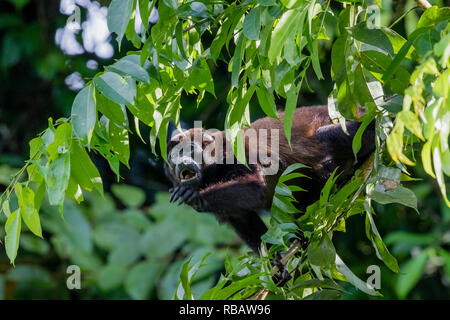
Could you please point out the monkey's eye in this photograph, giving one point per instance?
(187, 174)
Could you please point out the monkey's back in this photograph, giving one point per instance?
(317, 143)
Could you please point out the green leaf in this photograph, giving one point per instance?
(397, 41)
(110, 234)
(360, 88)
(400, 195)
(252, 24)
(187, 275)
(12, 229)
(391, 69)
(62, 141)
(291, 106)
(322, 254)
(426, 158)
(119, 13)
(34, 244)
(267, 101)
(142, 108)
(179, 38)
(116, 88)
(110, 109)
(267, 3)
(174, 231)
(411, 273)
(57, 179)
(200, 78)
(293, 167)
(315, 59)
(144, 11)
(350, 276)
(316, 283)
(395, 144)
(120, 143)
(130, 66)
(377, 63)
(83, 170)
(84, 114)
(137, 218)
(411, 122)
(74, 191)
(235, 287)
(129, 195)
(290, 4)
(142, 278)
(5, 208)
(35, 146)
(374, 37)
(132, 36)
(366, 120)
(289, 21)
(432, 16)
(237, 111)
(111, 276)
(437, 162)
(324, 294)
(326, 190)
(381, 249)
(28, 212)
(225, 30)
(125, 254)
(237, 60)
(290, 176)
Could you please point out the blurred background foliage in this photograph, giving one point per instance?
(133, 243)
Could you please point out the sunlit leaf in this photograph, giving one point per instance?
(84, 114)
(115, 88)
(119, 12)
(12, 228)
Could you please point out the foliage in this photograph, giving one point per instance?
(270, 48)
(119, 251)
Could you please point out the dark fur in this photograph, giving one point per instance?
(235, 193)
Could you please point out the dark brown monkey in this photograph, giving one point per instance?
(235, 192)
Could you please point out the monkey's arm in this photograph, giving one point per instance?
(243, 194)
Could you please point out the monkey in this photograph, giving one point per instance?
(234, 192)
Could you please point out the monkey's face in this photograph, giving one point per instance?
(186, 156)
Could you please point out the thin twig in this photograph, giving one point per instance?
(402, 16)
(200, 22)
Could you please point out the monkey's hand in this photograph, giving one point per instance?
(189, 195)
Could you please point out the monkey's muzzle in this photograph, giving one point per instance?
(187, 170)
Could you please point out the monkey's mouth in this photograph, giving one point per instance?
(188, 171)
(187, 174)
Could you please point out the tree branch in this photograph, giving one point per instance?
(295, 246)
(423, 4)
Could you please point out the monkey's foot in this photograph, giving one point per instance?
(282, 276)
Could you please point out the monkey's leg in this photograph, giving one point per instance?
(249, 227)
